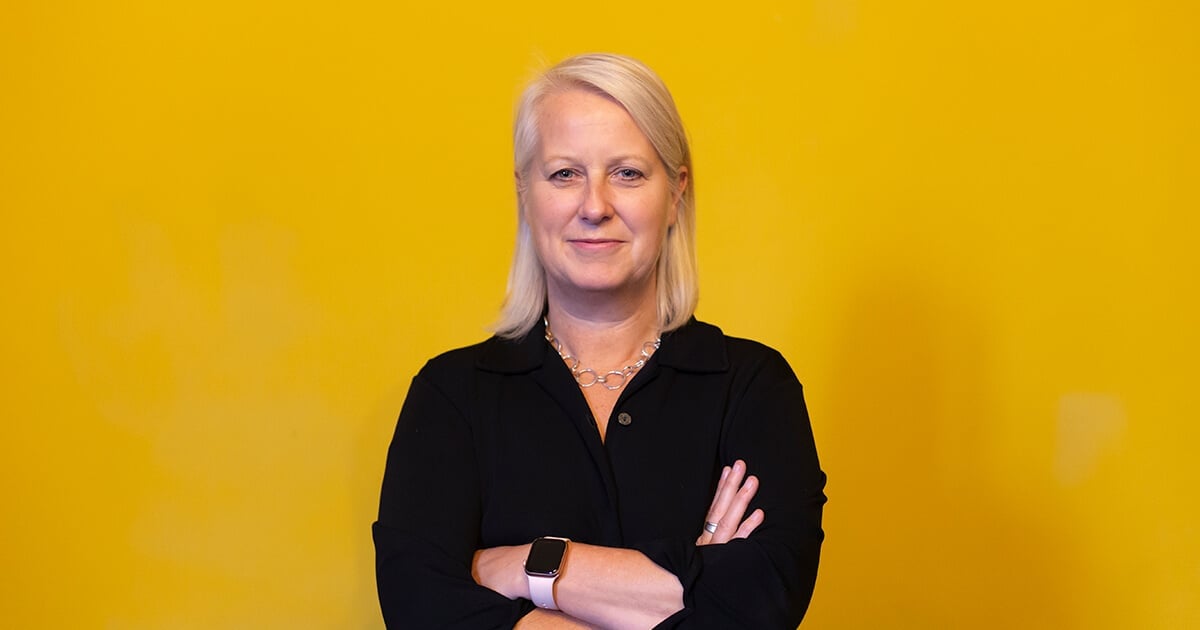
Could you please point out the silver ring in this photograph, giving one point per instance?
(710, 527)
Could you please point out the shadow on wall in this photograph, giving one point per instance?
(921, 530)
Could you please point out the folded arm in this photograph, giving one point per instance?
(619, 588)
(767, 579)
(423, 569)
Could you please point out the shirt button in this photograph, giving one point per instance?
(624, 419)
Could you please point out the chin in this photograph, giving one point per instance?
(590, 284)
(597, 287)
(614, 282)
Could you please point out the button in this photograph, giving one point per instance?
(624, 419)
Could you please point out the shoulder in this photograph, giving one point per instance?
(700, 346)
(750, 349)
(494, 354)
(453, 361)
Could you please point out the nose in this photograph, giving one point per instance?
(596, 207)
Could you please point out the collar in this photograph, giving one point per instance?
(693, 347)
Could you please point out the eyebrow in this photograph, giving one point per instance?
(612, 162)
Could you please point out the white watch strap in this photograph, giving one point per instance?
(541, 591)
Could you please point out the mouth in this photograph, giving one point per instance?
(594, 244)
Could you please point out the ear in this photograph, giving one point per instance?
(677, 195)
(520, 183)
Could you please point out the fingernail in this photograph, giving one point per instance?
(724, 473)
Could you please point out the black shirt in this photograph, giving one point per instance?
(496, 445)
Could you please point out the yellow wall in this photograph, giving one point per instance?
(233, 231)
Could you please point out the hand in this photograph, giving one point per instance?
(729, 506)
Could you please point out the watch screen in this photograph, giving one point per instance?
(545, 556)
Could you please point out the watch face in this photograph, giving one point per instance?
(545, 556)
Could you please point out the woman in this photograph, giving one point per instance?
(572, 459)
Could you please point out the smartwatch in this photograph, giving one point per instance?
(542, 567)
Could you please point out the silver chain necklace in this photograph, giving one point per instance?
(586, 377)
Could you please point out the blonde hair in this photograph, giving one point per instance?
(635, 87)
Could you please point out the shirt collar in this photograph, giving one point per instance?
(693, 347)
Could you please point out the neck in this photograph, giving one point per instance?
(606, 340)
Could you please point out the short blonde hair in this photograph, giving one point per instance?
(635, 87)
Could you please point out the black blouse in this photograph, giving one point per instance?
(496, 445)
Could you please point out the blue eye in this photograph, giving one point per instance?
(562, 174)
(629, 173)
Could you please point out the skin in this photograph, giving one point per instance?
(603, 587)
(599, 203)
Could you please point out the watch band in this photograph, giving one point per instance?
(542, 567)
(541, 591)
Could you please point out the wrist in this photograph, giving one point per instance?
(543, 567)
(500, 569)
(520, 581)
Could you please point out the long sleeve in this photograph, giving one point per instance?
(429, 520)
(494, 446)
(767, 580)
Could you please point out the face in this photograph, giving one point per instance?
(597, 199)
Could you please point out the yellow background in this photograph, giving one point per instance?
(232, 232)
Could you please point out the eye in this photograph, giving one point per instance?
(562, 174)
(629, 174)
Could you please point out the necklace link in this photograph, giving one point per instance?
(587, 377)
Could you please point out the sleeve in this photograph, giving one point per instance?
(767, 579)
(429, 521)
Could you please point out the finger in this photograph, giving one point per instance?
(750, 524)
(705, 535)
(726, 491)
(734, 513)
(716, 494)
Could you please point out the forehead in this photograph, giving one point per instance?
(581, 116)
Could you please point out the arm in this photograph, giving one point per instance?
(539, 619)
(618, 588)
(423, 563)
(602, 586)
(767, 579)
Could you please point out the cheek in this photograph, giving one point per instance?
(543, 222)
(543, 207)
(534, 214)
(666, 213)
